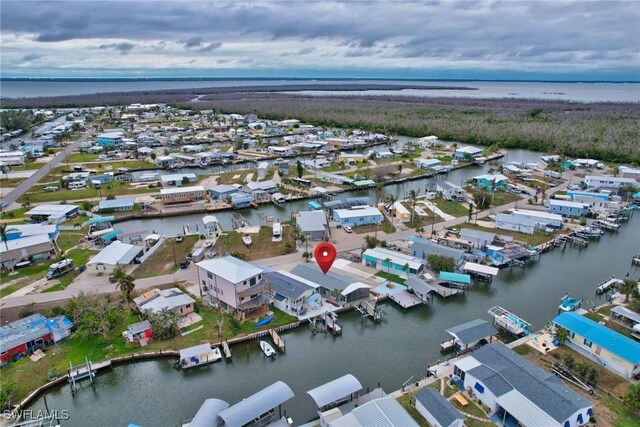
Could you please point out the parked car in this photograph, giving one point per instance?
(179, 239)
(50, 189)
(185, 263)
(348, 229)
(573, 187)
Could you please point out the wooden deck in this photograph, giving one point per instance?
(406, 299)
(445, 292)
(279, 342)
(226, 350)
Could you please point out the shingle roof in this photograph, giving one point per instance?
(230, 268)
(286, 285)
(136, 328)
(472, 331)
(329, 281)
(439, 407)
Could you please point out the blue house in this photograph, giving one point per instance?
(464, 152)
(490, 181)
(399, 263)
(565, 208)
(588, 194)
(221, 191)
(241, 200)
(113, 139)
(124, 204)
(358, 216)
(19, 231)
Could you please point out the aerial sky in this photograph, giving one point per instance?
(545, 40)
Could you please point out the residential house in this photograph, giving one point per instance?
(491, 181)
(268, 187)
(117, 254)
(117, 205)
(289, 292)
(192, 194)
(587, 163)
(233, 284)
(352, 158)
(262, 170)
(466, 152)
(24, 336)
(178, 179)
(422, 248)
(604, 182)
(12, 158)
(140, 331)
(173, 299)
(565, 208)
(607, 347)
(358, 216)
(428, 163)
(344, 289)
(542, 219)
(165, 161)
(428, 141)
(110, 139)
(401, 212)
(312, 224)
(384, 411)
(450, 191)
(437, 410)
(627, 172)
(221, 191)
(20, 231)
(54, 214)
(14, 251)
(519, 392)
(515, 223)
(399, 263)
(280, 151)
(478, 238)
(241, 200)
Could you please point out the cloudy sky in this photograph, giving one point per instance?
(583, 40)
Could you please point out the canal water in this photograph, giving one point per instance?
(152, 393)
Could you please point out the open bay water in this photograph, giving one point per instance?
(578, 91)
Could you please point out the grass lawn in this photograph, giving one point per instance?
(502, 198)
(116, 188)
(471, 408)
(392, 277)
(81, 158)
(451, 208)
(262, 245)
(227, 177)
(405, 401)
(332, 168)
(387, 226)
(16, 213)
(28, 166)
(535, 239)
(69, 239)
(598, 317)
(449, 390)
(10, 182)
(162, 260)
(31, 273)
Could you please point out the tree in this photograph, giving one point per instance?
(470, 211)
(164, 323)
(627, 190)
(561, 334)
(482, 199)
(371, 241)
(632, 397)
(3, 238)
(307, 256)
(124, 282)
(627, 287)
(379, 192)
(412, 200)
(110, 196)
(388, 262)
(440, 263)
(86, 205)
(299, 169)
(185, 180)
(153, 156)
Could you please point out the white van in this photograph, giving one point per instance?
(76, 185)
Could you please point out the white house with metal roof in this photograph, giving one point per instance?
(399, 263)
(463, 152)
(542, 219)
(52, 213)
(289, 292)
(382, 412)
(312, 224)
(123, 204)
(358, 216)
(114, 255)
(156, 300)
(15, 251)
(232, 284)
(182, 194)
(515, 223)
(345, 289)
(520, 392)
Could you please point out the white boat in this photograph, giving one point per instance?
(208, 243)
(202, 354)
(247, 240)
(267, 349)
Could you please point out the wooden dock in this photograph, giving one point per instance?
(279, 342)
(331, 320)
(445, 292)
(447, 345)
(226, 350)
(405, 299)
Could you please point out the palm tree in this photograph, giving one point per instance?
(412, 199)
(561, 334)
(379, 192)
(3, 237)
(627, 287)
(124, 282)
(388, 261)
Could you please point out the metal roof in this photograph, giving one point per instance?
(335, 390)
(100, 219)
(480, 268)
(521, 408)
(223, 188)
(439, 407)
(613, 341)
(455, 277)
(169, 298)
(359, 212)
(470, 234)
(136, 328)
(230, 268)
(200, 350)
(178, 190)
(287, 286)
(310, 221)
(207, 415)
(25, 242)
(383, 412)
(52, 210)
(329, 281)
(261, 185)
(625, 312)
(257, 404)
(472, 331)
(427, 247)
(116, 253)
(397, 258)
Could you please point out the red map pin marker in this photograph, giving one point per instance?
(325, 254)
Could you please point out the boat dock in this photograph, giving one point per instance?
(509, 322)
(279, 342)
(635, 260)
(226, 350)
(331, 320)
(406, 299)
(445, 292)
(84, 371)
(446, 346)
(368, 310)
(607, 225)
(609, 284)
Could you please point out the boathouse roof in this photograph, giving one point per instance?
(472, 331)
(626, 313)
(383, 412)
(257, 404)
(439, 407)
(335, 390)
(207, 415)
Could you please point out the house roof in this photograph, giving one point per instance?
(354, 287)
(261, 185)
(30, 328)
(626, 313)
(419, 285)
(568, 204)
(169, 298)
(178, 177)
(286, 285)
(257, 404)
(468, 149)
(382, 412)
(335, 390)
(230, 268)
(310, 221)
(472, 331)
(116, 203)
(449, 186)
(395, 257)
(480, 268)
(470, 234)
(32, 229)
(354, 213)
(429, 248)
(178, 190)
(503, 370)
(116, 253)
(223, 188)
(516, 404)
(613, 341)
(454, 277)
(207, 415)
(515, 219)
(537, 214)
(136, 328)
(439, 407)
(330, 281)
(25, 242)
(51, 210)
(498, 177)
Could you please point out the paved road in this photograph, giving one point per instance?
(25, 185)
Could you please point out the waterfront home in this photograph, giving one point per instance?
(466, 152)
(608, 348)
(420, 288)
(165, 161)
(450, 191)
(192, 194)
(15, 251)
(352, 158)
(241, 200)
(141, 331)
(550, 159)
(54, 214)
(280, 151)
(232, 284)
(24, 336)
(173, 299)
(344, 289)
(178, 179)
(428, 141)
(478, 238)
(428, 163)
(317, 163)
(117, 254)
(392, 261)
(515, 223)
(598, 202)
(192, 148)
(110, 139)
(437, 410)
(565, 208)
(400, 211)
(12, 158)
(605, 182)
(259, 406)
(335, 178)
(312, 224)
(422, 248)
(519, 392)
(542, 219)
(268, 187)
(358, 216)
(291, 293)
(20, 231)
(491, 181)
(472, 334)
(117, 205)
(587, 163)
(627, 172)
(221, 191)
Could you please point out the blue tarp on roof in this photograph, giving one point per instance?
(455, 277)
(600, 335)
(99, 219)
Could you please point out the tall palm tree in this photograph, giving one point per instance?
(412, 199)
(388, 261)
(3, 238)
(124, 282)
(627, 287)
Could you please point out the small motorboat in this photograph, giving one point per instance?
(208, 243)
(247, 240)
(267, 349)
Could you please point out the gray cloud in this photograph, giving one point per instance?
(33, 56)
(123, 48)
